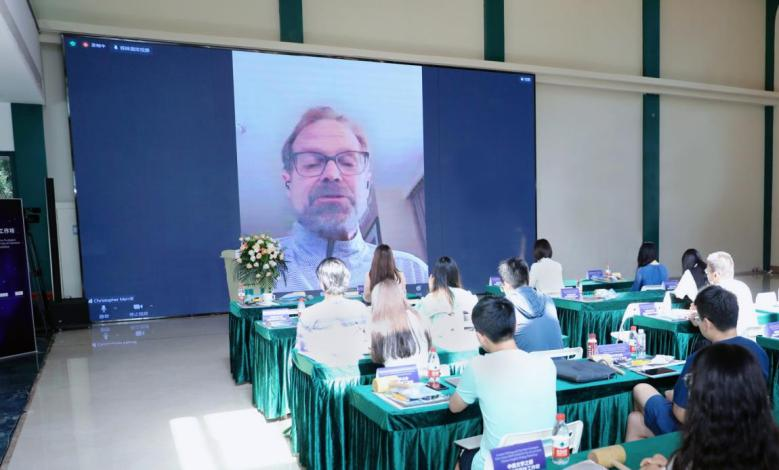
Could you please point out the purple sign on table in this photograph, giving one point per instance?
(570, 293)
(618, 350)
(406, 373)
(647, 309)
(495, 280)
(671, 284)
(524, 456)
(772, 330)
(595, 274)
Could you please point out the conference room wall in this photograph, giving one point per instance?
(589, 177)
(713, 41)
(6, 130)
(711, 180)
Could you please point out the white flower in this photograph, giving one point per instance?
(273, 256)
(253, 258)
(281, 255)
(248, 265)
(267, 274)
(258, 275)
(265, 266)
(251, 252)
(273, 263)
(256, 265)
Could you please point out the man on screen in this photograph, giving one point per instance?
(328, 179)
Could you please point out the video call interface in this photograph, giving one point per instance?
(179, 150)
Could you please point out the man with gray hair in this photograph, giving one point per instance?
(720, 271)
(538, 328)
(333, 331)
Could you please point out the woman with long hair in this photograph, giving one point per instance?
(729, 422)
(448, 307)
(649, 272)
(383, 267)
(693, 262)
(398, 334)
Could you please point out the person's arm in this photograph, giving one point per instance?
(637, 281)
(679, 413)
(366, 292)
(456, 403)
(466, 391)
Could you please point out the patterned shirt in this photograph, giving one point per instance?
(304, 250)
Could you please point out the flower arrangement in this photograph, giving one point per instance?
(260, 262)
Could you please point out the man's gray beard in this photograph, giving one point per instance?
(330, 222)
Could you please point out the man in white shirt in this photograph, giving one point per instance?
(499, 380)
(334, 331)
(720, 271)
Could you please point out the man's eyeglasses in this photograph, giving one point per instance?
(314, 163)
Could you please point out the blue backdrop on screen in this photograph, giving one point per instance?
(153, 137)
(17, 330)
(480, 168)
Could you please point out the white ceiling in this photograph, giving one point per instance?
(20, 55)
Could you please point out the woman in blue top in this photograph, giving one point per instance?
(650, 272)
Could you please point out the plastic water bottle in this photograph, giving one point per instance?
(592, 345)
(632, 341)
(433, 368)
(241, 294)
(580, 288)
(301, 305)
(561, 441)
(641, 344)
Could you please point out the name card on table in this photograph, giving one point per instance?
(647, 309)
(524, 456)
(618, 351)
(406, 373)
(495, 280)
(772, 330)
(570, 293)
(279, 317)
(595, 274)
(671, 284)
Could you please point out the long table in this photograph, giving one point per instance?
(390, 437)
(578, 318)
(672, 338)
(588, 286)
(318, 402)
(240, 329)
(635, 452)
(270, 386)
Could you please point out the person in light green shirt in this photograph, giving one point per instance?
(516, 390)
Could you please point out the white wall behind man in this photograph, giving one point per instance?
(6, 128)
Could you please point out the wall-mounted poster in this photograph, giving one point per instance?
(17, 328)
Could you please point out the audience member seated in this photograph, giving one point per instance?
(546, 274)
(717, 314)
(398, 334)
(382, 267)
(323, 326)
(692, 261)
(729, 420)
(720, 272)
(538, 328)
(516, 391)
(448, 308)
(650, 272)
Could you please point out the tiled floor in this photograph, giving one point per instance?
(17, 376)
(151, 395)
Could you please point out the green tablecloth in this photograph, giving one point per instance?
(319, 403)
(270, 386)
(240, 327)
(767, 315)
(771, 346)
(673, 338)
(636, 451)
(578, 318)
(423, 437)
